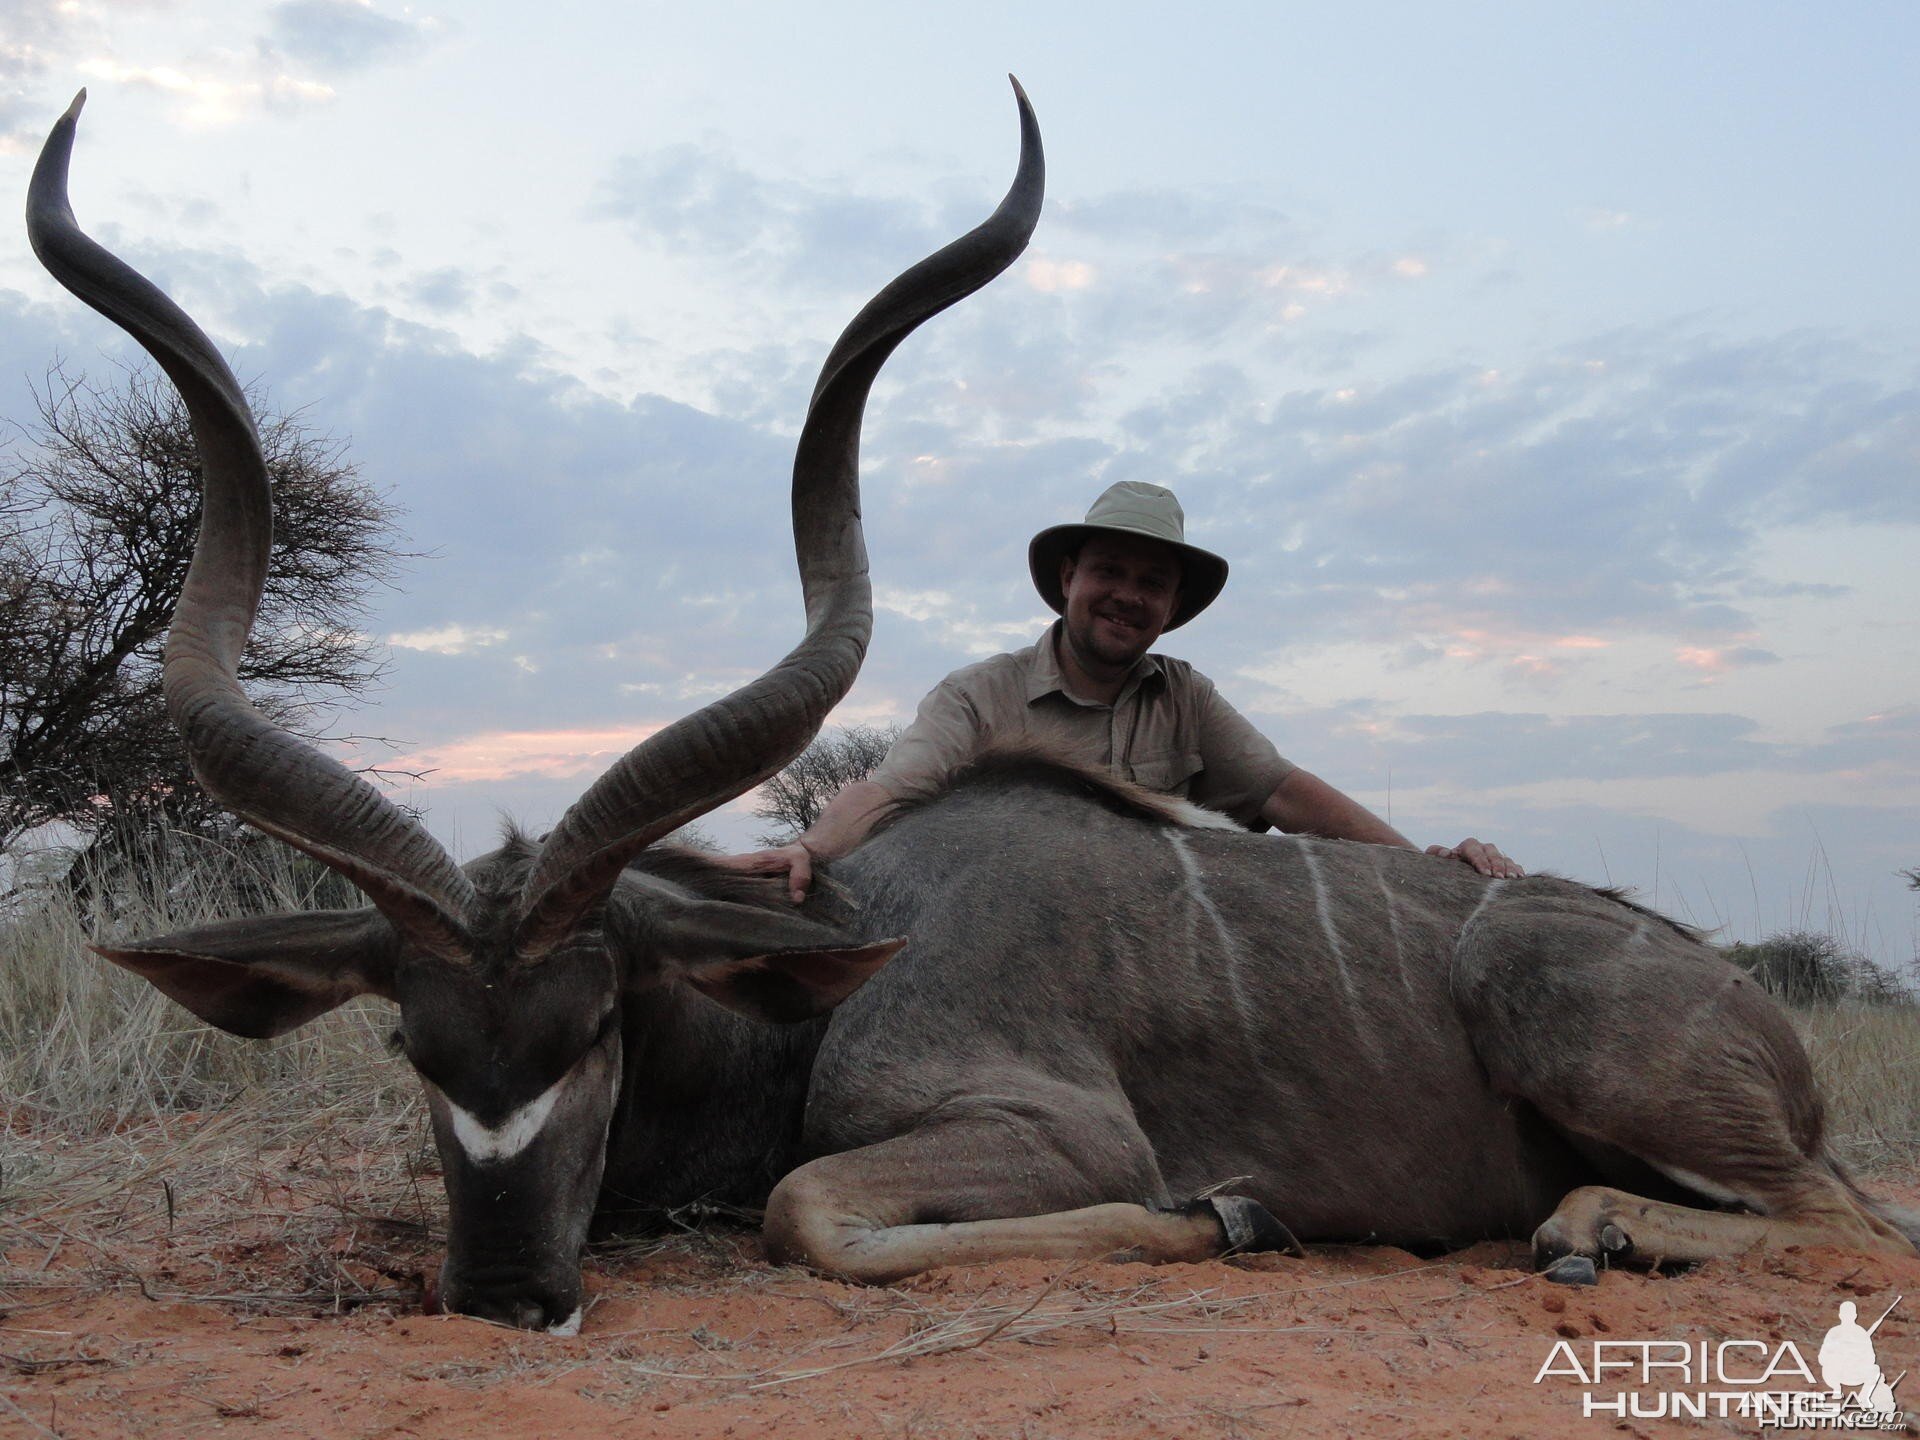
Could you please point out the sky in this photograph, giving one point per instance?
(1547, 374)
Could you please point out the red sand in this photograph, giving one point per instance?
(287, 1318)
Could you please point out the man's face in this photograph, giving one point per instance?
(1120, 593)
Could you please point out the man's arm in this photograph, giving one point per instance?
(842, 824)
(945, 732)
(1304, 804)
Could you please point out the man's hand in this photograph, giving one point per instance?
(1482, 856)
(841, 825)
(794, 861)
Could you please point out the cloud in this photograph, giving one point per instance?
(697, 200)
(1606, 502)
(957, 624)
(213, 94)
(34, 40)
(1528, 517)
(1713, 662)
(1144, 266)
(1626, 498)
(1047, 276)
(1190, 216)
(342, 36)
(1889, 739)
(307, 46)
(447, 639)
(1491, 750)
(445, 291)
(496, 755)
(1597, 218)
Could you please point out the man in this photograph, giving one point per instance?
(1090, 692)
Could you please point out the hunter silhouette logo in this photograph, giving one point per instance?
(1848, 1365)
(1769, 1382)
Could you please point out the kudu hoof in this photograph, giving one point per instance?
(1250, 1227)
(1573, 1270)
(1571, 1254)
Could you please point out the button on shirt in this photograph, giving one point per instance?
(1168, 730)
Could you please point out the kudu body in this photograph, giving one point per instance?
(1104, 1008)
(1102, 1003)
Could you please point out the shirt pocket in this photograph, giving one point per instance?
(1170, 772)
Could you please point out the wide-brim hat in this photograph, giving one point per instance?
(1145, 512)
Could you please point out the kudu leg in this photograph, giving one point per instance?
(1620, 1030)
(1623, 1229)
(989, 1187)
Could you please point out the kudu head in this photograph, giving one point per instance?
(513, 975)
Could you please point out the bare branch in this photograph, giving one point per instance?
(794, 798)
(99, 508)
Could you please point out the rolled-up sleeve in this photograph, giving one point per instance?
(1239, 765)
(945, 734)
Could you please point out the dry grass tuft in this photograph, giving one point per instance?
(126, 1124)
(1867, 1061)
(86, 1046)
(262, 1208)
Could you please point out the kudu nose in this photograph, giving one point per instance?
(521, 1314)
(524, 1310)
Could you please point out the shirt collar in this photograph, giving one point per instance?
(1044, 677)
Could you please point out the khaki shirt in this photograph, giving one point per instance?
(1169, 730)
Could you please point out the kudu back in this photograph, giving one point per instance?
(1105, 1010)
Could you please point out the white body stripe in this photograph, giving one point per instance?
(1486, 898)
(1453, 965)
(1203, 902)
(1323, 903)
(1393, 921)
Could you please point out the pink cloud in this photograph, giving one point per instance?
(1702, 658)
(1530, 652)
(518, 754)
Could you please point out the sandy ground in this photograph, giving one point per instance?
(189, 1281)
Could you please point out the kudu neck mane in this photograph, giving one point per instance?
(509, 866)
(1027, 764)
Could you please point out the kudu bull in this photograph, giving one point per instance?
(1108, 1003)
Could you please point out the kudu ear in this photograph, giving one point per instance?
(265, 975)
(770, 964)
(787, 986)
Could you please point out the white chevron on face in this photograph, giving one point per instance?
(486, 1144)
